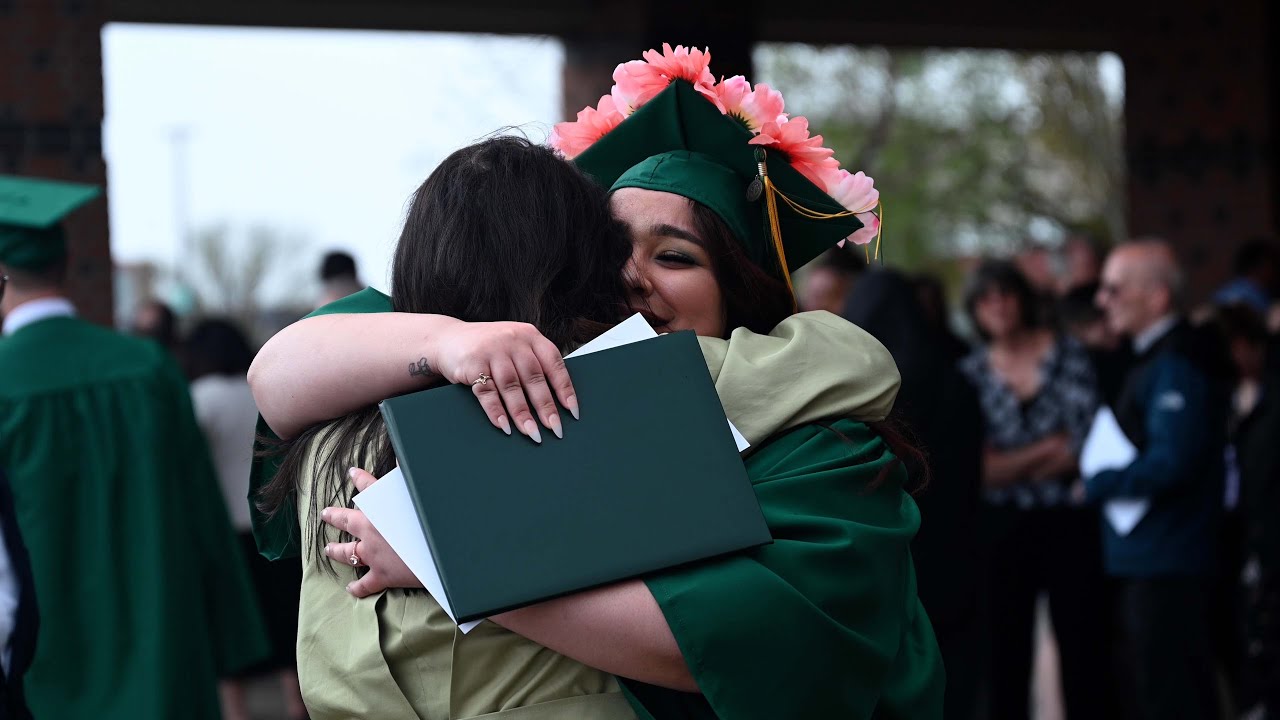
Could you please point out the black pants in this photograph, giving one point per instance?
(1167, 626)
(1056, 551)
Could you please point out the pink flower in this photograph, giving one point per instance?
(854, 191)
(638, 81)
(752, 108)
(682, 63)
(870, 228)
(571, 138)
(806, 153)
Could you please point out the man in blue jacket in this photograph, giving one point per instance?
(1173, 408)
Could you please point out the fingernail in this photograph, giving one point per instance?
(349, 586)
(553, 422)
(328, 549)
(324, 514)
(531, 429)
(571, 403)
(504, 424)
(352, 473)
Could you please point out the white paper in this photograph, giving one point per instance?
(635, 329)
(389, 507)
(1124, 514)
(1107, 448)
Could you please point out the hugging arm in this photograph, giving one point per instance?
(618, 629)
(326, 366)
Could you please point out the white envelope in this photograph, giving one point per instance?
(1107, 448)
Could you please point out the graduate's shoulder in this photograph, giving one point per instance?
(829, 444)
(839, 435)
(73, 353)
(368, 300)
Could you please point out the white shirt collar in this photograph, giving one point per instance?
(1143, 341)
(34, 311)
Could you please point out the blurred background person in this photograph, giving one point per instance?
(932, 298)
(19, 619)
(1255, 277)
(1081, 259)
(1038, 397)
(830, 280)
(1173, 408)
(1253, 488)
(18, 616)
(940, 413)
(157, 321)
(1038, 266)
(1085, 321)
(338, 277)
(218, 358)
(115, 496)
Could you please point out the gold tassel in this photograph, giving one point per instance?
(772, 193)
(879, 228)
(775, 228)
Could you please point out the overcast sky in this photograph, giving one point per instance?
(320, 134)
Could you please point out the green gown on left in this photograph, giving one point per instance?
(143, 598)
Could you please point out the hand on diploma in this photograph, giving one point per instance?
(510, 366)
(369, 549)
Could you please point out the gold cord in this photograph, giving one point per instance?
(775, 228)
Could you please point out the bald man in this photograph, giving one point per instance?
(1174, 411)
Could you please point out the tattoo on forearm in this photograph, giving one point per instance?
(419, 368)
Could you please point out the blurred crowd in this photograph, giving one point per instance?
(1172, 617)
(1001, 392)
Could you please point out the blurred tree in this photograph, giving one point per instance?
(973, 151)
(230, 275)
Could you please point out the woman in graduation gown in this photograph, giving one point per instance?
(823, 622)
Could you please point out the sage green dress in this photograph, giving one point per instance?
(822, 623)
(143, 597)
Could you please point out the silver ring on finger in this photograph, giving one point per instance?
(482, 380)
(355, 557)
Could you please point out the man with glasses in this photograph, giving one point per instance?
(142, 597)
(1172, 406)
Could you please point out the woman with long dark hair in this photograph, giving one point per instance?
(717, 638)
(1038, 397)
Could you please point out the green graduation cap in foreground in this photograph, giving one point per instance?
(681, 143)
(31, 214)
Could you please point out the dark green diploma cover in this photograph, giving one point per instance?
(648, 479)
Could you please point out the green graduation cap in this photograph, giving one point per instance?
(31, 214)
(678, 142)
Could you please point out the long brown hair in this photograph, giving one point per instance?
(503, 230)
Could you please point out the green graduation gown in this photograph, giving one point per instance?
(142, 594)
(825, 622)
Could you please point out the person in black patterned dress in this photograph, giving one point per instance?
(1038, 396)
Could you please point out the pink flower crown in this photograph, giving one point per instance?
(759, 109)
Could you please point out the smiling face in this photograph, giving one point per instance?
(671, 278)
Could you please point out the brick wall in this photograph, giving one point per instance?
(51, 123)
(1198, 131)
